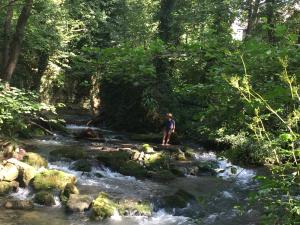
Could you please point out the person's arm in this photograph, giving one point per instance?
(173, 126)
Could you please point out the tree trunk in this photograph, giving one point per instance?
(252, 16)
(270, 20)
(166, 23)
(7, 34)
(15, 44)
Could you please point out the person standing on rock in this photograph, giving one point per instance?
(169, 128)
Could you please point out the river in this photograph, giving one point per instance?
(218, 196)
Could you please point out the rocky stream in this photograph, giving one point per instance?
(96, 176)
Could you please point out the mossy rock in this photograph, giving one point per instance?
(180, 156)
(207, 167)
(68, 153)
(158, 160)
(147, 148)
(44, 198)
(134, 208)
(35, 160)
(69, 189)
(82, 165)
(7, 187)
(179, 200)
(114, 159)
(52, 179)
(133, 168)
(162, 175)
(189, 152)
(102, 207)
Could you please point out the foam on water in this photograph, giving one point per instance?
(227, 170)
(21, 194)
(78, 127)
(161, 217)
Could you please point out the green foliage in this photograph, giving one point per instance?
(20, 110)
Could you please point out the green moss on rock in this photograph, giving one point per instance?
(102, 207)
(82, 165)
(52, 179)
(69, 189)
(133, 168)
(35, 160)
(44, 198)
(134, 208)
(162, 175)
(68, 153)
(114, 159)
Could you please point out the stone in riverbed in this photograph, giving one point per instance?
(178, 200)
(52, 179)
(7, 187)
(8, 172)
(78, 203)
(162, 175)
(19, 204)
(129, 207)
(114, 159)
(82, 165)
(69, 189)
(102, 207)
(133, 168)
(35, 160)
(26, 172)
(68, 153)
(44, 198)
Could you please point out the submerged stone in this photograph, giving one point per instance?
(19, 204)
(52, 179)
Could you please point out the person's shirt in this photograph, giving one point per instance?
(170, 124)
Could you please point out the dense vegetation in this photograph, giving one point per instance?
(131, 61)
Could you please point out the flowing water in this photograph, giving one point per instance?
(218, 195)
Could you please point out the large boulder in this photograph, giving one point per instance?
(26, 172)
(35, 160)
(44, 198)
(7, 187)
(78, 203)
(128, 207)
(52, 179)
(8, 172)
(102, 207)
(19, 204)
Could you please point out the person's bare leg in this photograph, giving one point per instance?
(168, 138)
(164, 138)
